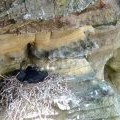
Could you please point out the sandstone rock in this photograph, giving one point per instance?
(13, 51)
(74, 68)
(14, 47)
(112, 70)
(87, 63)
(46, 41)
(108, 41)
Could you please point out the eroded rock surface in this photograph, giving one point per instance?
(44, 9)
(81, 54)
(14, 47)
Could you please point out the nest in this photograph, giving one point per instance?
(22, 101)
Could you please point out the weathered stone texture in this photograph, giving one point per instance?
(14, 47)
(44, 9)
(87, 57)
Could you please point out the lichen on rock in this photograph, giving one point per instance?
(78, 47)
(43, 9)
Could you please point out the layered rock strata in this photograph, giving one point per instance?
(87, 57)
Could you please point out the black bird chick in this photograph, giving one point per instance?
(31, 75)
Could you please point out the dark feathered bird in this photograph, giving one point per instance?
(31, 75)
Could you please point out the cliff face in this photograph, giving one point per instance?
(44, 9)
(83, 47)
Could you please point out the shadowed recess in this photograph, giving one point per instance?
(29, 75)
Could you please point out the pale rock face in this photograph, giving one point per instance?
(87, 57)
(14, 47)
(13, 51)
(46, 41)
(112, 70)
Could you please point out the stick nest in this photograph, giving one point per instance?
(22, 101)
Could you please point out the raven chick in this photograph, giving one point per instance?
(31, 75)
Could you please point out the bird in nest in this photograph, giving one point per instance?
(31, 75)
